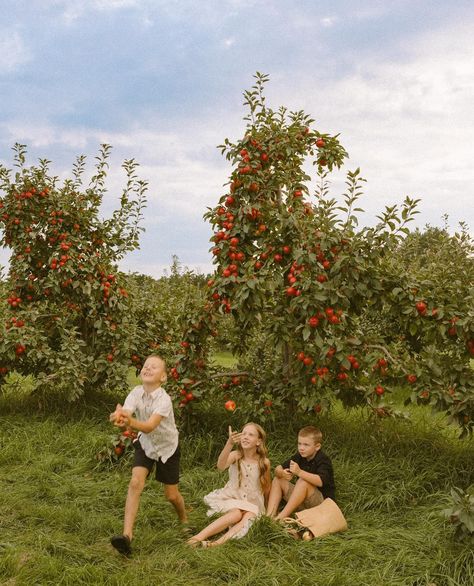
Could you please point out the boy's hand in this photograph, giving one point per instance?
(114, 416)
(125, 420)
(286, 474)
(119, 417)
(294, 468)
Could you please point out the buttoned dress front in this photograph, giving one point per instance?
(245, 495)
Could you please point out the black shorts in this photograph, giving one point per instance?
(165, 472)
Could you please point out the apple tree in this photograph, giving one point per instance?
(162, 309)
(67, 313)
(309, 288)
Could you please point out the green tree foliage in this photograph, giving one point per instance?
(310, 290)
(162, 309)
(67, 316)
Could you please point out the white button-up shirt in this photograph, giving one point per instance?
(163, 440)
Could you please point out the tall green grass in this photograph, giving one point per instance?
(59, 507)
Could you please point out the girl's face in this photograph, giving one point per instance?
(250, 438)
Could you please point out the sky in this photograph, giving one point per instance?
(162, 82)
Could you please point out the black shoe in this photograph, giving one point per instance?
(122, 544)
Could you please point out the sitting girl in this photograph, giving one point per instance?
(243, 497)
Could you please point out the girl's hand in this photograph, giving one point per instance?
(234, 436)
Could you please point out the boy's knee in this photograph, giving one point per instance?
(278, 483)
(301, 482)
(137, 481)
(172, 495)
(136, 484)
(172, 498)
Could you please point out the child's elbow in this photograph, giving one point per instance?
(148, 427)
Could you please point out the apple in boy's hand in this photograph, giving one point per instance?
(118, 417)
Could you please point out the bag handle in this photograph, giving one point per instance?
(292, 521)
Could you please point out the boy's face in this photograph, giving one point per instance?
(307, 447)
(153, 371)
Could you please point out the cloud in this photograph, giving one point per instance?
(328, 21)
(13, 51)
(405, 113)
(229, 42)
(183, 178)
(114, 4)
(71, 11)
(409, 124)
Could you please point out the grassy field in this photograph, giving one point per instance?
(59, 507)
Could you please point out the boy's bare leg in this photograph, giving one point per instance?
(278, 489)
(173, 495)
(230, 518)
(301, 491)
(135, 489)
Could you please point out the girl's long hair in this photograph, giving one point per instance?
(262, 454)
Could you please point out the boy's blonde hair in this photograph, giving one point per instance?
(312, 432)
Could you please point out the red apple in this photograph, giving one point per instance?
(230, 405)
(421, 307)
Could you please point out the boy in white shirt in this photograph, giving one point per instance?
(149, 410)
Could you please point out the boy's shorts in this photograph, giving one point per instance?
(315, 499)
(165, 472)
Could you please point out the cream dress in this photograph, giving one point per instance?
(246, 497)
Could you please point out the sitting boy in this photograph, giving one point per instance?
(315, 477)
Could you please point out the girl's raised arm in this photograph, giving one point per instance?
(227, 456)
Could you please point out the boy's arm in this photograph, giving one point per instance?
(312, 478)
(145, 426)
